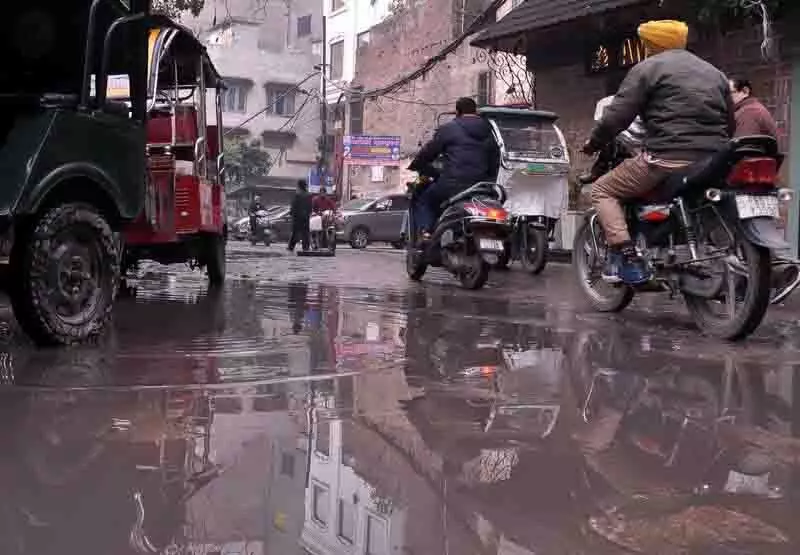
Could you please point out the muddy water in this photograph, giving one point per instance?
(294, 418)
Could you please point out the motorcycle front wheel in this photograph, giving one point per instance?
(588, 265)
(745, 297)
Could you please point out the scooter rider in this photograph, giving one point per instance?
(470, 155)
(255, 206)
(687, 110)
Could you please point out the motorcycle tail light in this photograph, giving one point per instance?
(488, 212)
(759, 172)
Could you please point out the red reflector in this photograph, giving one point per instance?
(654, 217)
(754, 171)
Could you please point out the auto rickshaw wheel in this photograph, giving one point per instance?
(64, 275)
(214, 259)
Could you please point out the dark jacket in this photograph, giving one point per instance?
(753, 118)
(685, 104)
(254, 207)
(469, 149)
(301, 208)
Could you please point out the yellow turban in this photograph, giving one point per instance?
(658, 36)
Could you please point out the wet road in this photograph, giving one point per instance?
(326, 406)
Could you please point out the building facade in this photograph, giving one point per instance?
(267, 53)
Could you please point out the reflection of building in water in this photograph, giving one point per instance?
(343, 513)
(256, 505)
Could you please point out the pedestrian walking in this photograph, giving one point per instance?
(300, 212)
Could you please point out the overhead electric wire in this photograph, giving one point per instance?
(291, 90)
(441, 55)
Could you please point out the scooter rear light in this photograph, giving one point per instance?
(754, 172)
(488, 212)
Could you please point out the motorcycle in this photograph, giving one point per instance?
(469, 236)
(262, 232)
(534, 168)
(323, 231)
(707, 233)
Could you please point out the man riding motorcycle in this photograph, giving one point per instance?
(687, 111)
(470, 155)
(252, 211)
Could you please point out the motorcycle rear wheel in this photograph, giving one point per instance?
(588, 264)
(747, 315)
(533, 250)
(477, 275)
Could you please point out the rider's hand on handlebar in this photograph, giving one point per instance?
(588, 148)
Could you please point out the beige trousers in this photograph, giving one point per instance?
(632, 179)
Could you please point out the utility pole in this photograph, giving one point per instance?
(323, 144)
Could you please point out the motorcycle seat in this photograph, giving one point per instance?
(483, 188)
(710, 170)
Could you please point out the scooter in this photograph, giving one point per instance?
(262, 232)
(468, 239)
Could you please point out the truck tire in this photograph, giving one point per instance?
(214, 259)
(64, 275)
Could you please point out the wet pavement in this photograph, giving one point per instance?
(327, 406)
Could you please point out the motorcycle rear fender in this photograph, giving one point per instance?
(764, 232)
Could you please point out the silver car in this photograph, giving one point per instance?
(364, 221)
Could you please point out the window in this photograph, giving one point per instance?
(304, 26)
(287, 465)
(376, 536)
(234, 98)
(362, 39)
(485, 93)
(337, 5)
(323, 438)
(357, 118)
(337, 59)
(376, 174)
(319, 504)
(399, 203)
(280, 100)
(347, 521)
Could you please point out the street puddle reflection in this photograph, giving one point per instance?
(308, 419)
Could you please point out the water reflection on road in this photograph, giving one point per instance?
(309, 419)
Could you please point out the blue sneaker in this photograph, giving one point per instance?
(625, 267)
(612, 270)
(634, 270)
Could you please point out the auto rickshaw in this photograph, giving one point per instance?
(534, 170)
(183, 219)
(71, 160)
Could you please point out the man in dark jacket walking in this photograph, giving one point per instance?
(752, 117)
(687, 110)
(300, 213)
(470, 155)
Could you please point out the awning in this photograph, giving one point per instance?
(538, 14)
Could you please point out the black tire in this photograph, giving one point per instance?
(602, 296)
(758, 264)
(415, 264)
(214, 259)
(478, 275)
(69, 246)
(359, 238)
(534, 250)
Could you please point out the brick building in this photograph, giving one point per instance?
(580, 53)
(397, 46)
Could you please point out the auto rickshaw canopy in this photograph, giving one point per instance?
(176, 58)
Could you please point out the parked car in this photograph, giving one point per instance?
(240, 229)
(364, 221)
(280, 224)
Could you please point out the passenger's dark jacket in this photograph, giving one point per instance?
(684, 101)
(300, 210)
(255, 206)
(470, 152)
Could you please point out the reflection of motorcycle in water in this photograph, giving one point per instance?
(94, 474)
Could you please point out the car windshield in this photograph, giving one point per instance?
(357, 204)
(530, 138)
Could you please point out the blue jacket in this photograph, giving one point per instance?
(470, 153)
